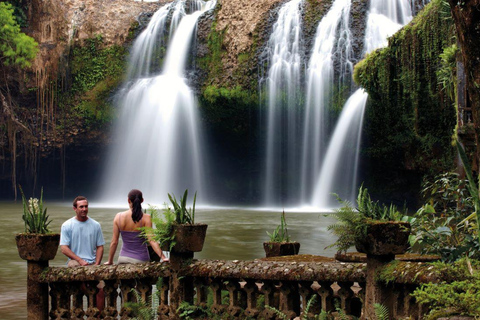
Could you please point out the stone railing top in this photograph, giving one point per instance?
(279, 270)
(106, 272)
(250, 269)
(409, 272)
(404, 272)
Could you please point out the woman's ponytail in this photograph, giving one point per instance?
(136, 198)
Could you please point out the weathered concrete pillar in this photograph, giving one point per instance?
(37, 293)
(37, 249)
(181, 288)
(376, 292)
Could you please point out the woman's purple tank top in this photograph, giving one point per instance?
(134, 246)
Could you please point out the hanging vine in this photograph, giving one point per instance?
(410, 118)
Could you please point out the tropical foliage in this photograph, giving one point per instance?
(164, 222)
(444, 224)
(35, 215)
(352, 221)
(16, 48)
(280, 234)
(455, 296)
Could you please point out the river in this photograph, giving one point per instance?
(233, 233)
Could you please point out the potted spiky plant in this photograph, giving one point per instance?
(36, 243)
(280, 244)
(177, 230)
(373, 228)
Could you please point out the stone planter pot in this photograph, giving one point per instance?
(278, 249)
(37, 247)
(189, 237)
(385, 238)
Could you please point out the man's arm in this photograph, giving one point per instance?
(99, 256)
(69, 253)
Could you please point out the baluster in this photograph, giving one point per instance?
(268, 290)
(396, 302)
(233, 288)
(60, 302)
(126, 287)
(410, 306)
(251, 290)
(163, 308)
(200, 285)
(289, 299)
(346, 295)
(217, 306)
(144, 289)
(77, 300)
(306, 292)
(326, 293)
(361, 298)
(91, 290)
(110, 312)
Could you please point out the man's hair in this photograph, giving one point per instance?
(79, 198)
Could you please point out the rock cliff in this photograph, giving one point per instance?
(58, 24)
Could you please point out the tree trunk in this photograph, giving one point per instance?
(466, 15)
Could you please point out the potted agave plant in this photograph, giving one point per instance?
(176, 230)
(36, 243)
(280, 244)
(372, 228)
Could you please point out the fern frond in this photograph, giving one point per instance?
(381, 311)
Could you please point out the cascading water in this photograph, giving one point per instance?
(158, 147)
(332, 44)
(339, 169)
(384, 19)
(283, 83)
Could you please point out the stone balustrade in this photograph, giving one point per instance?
(240, 289)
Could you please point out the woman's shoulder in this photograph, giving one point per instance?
(121, 214)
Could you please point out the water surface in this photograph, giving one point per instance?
(233, 233)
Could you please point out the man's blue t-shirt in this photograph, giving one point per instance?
(82, 238)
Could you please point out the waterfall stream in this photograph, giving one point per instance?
(283, 84)
(332, 44)
(158, 139)
(339, 172)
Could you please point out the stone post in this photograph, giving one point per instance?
(37, 249)
(37, 293)
(181, 289)
(383, 240)
(376, 292)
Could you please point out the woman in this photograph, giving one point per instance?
(127, 223)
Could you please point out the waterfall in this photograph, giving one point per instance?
(332, 44)
(385, 17)
(158, 138)
(339, 171)
(283, 83)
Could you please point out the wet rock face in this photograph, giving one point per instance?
(240, 20)
(58, 24)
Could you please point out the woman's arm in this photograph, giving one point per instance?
(155, 246)
(114, 242)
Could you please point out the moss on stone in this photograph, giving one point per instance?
(409, 119)
(96, 72)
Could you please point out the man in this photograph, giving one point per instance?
(81, 238)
